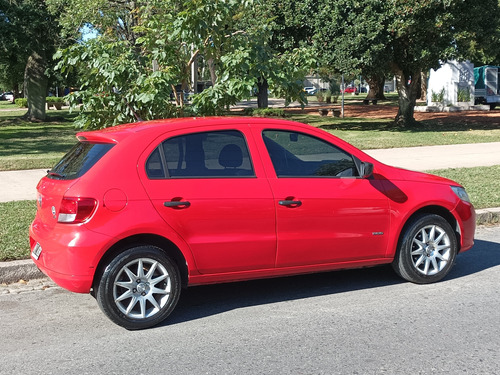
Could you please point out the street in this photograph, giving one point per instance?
(348, 322)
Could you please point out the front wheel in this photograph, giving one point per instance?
(139, 288)
(426, 251)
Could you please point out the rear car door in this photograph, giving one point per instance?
(208, 188)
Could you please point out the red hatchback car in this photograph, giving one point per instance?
(135, 212)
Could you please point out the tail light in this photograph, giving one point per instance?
(76, 210)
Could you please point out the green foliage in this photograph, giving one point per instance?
(463, 94)
(21, 102)
(54, 99)
(265, 112)
(438, 97)
(130, 69)
(119, 85)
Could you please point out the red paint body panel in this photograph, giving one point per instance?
(234, 228)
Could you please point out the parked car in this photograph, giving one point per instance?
(134, 213)
(7, 96)
(310, 90)
(351, 89)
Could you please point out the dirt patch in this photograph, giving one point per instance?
(389, 112)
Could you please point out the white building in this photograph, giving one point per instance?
(451, 85)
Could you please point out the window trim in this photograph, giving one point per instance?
(355, 160)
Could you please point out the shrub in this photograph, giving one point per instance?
(268, 112)
(320, 96)
(438, 97)
(463, 94)
(328, 96)
(21, 102)
(54, 99)
(248, 111)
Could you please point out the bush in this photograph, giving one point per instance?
(438, 97)
(21, 102)
(265, 112)
(328, 96)
(463, 94)
(320, 96)
(54, 99)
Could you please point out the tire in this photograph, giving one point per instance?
(426, 251)
(139, 288)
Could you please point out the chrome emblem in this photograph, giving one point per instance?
(54, 212)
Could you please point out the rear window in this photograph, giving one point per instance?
(79, 160)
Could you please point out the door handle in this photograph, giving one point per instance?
(177, 204)
(290, 203)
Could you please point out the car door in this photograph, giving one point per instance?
(206, 186)
(325, 212)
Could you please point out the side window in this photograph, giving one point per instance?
(300, 155)
(206, 154)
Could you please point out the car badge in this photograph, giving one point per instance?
(53, 212)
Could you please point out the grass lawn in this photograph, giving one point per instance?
(481, 183)
(27, 145)
(15, 219)
(366, 133)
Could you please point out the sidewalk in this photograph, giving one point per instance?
(21, 185)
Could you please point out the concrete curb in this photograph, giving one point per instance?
(12, 272)
(488, 216)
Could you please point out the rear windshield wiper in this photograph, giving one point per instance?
(55, 174)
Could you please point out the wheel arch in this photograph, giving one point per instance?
(164, 244)
(429, 210)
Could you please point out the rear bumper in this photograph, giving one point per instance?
(69, 254)
(73, 283)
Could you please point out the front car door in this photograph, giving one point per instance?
(326, 213)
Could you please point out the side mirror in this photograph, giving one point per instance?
(366, 170)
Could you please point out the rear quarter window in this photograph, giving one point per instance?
(82, 157)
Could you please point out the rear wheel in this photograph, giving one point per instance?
(427, 250)
(139, 288)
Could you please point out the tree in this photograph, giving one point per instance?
(350, 36)
(405, 36)
(29, 38)
(146, 49)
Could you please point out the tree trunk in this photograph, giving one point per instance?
(35, 87)
(262, 96)
(408, 90)
(211, 68)
(423, 86)
(376, 84)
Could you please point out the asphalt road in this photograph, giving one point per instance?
(348, 322)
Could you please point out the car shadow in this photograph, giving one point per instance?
(204, 301)
(483, 255)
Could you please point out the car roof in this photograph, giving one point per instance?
(116, 133)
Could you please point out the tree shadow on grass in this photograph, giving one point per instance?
(52, 118)
(434, 125)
